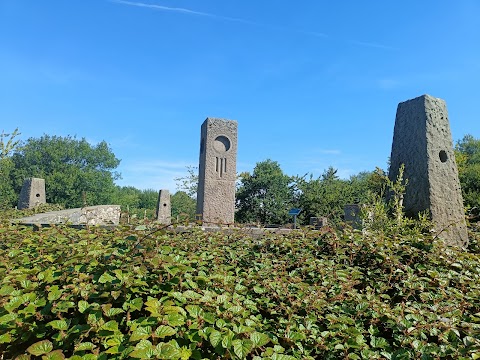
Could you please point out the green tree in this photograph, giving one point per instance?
(189, 183)
(75, 172)
(327, 195)
(8, 144)
(127, 196)
(266, 195)
(148, 199)
(467, 155)
(183, 206)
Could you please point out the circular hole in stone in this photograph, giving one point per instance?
(164, 204)
(37, 195)
(221, 143)
(443, 156)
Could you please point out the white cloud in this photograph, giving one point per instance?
(180, 10)
(214, 16)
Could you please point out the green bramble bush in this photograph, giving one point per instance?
(125, 293)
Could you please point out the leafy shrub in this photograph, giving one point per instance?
(113, 294)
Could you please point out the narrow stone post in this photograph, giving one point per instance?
(164, 210)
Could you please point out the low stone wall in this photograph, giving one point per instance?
(91, 215)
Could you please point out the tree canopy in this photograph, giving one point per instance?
(266, 195)
(467, 155)
(76, 173)
(8, 143)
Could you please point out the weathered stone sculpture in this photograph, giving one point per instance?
(318, 222)
(352, 215)
(32, 193)
(164, 211)
(423, 142)
(217, 171)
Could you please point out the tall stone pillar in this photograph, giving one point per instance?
(217, 171)
(164, 208)
(423, 142)
(32, 193)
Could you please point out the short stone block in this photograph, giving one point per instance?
(32, 193)
(318, 222)
(352, 215)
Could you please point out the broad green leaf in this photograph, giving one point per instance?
(14, 303)
(185, 353)
(173, 310)
(115, 340)
(6, 290)
(7, 318)
(40, 348)
(133, 305)
(220, 323)
(5, 338)
(30, 309)
(209, 318)
(111, 325)
(59, 324)
(241, 329)
(222, 298)
(113, 350)
(23, 357)
(282, 357)
(242, 348)
(259, 339)
(54, 293)
(163, 331)
(105, 278)
(175, 319)
(190, 294)
(83, 306)
(64, 306)
(143, 350)
(194, 310)
(84, 346)
(227, 340)
(54, 355)
(25, 283)
(112, 312)
(378, 342)
(235, 309)
(167, 351)
(141, 333)
(215, 338)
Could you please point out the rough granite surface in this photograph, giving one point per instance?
(217, 171)
(90, 215)
(423, 142)
(32, 193)
(164, 208)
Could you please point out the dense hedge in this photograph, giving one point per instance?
(126, 293)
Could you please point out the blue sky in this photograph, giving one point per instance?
(311, 83)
